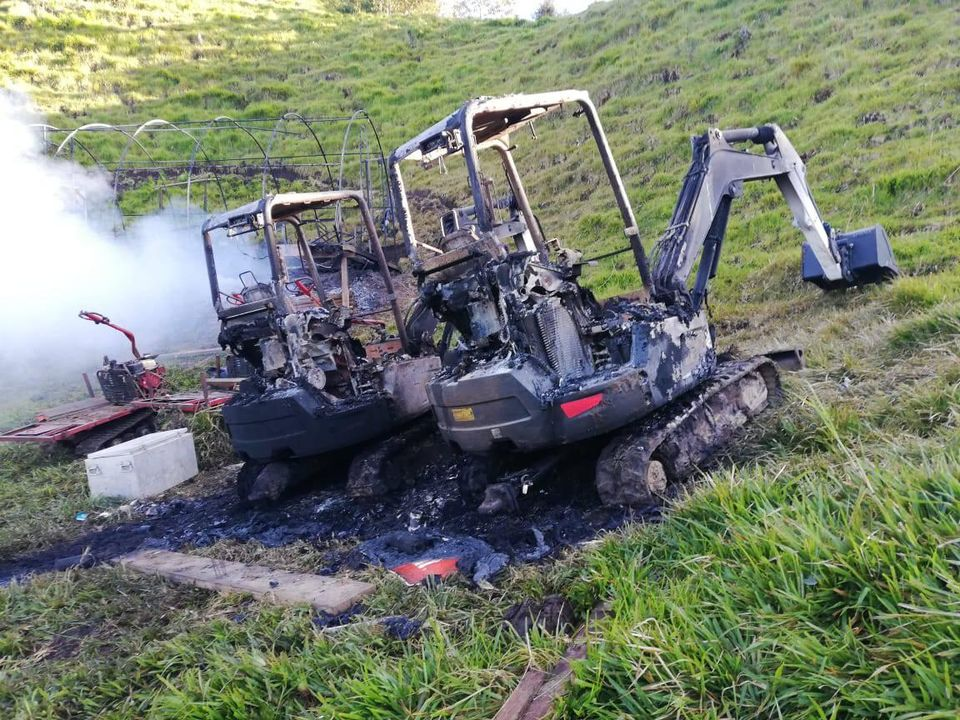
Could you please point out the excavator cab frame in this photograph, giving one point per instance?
(286, 208)
(488, 123)
(318, 385)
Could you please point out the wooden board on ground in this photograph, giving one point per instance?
(329, 594)
(228, 383)
(534, 697)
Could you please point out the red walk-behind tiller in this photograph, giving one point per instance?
(124, 382)
(133, 392)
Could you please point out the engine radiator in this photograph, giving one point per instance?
(561, 341)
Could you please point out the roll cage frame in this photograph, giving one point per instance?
(487, 123)
(265, 214)
(698, 225)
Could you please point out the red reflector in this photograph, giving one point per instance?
(581, 405)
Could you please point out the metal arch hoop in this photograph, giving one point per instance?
(359, 114)
(363, 115)
(337, 229)
(72, 140)
(273, 135)
(198, 147)
(96, 126)
(227, 119)
(46, 130)
(160, 122)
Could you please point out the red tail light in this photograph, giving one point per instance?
(579, 406)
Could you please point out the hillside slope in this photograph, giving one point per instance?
(869, 96)
(815, 575)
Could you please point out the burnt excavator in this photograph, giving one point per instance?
(535, 366)
(327, 375)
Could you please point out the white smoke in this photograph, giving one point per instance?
(59, 254)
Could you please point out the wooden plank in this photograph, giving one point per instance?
(555, 684)
(186, 402)
(534, 696)
(329, 594)
(226, 382)
(522, 695)
(78, 406)
(345, 280)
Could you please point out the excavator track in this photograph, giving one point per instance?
(369, 473)
(641, 460)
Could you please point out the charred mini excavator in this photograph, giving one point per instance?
(535, 364)
(326, 375)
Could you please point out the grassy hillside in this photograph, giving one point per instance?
(815, 577)
(868, 95)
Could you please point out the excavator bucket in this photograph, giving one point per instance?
(865, 258)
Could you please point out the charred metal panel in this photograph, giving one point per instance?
(292, 423)
(561, 340)
(675, 354)
(405, 383)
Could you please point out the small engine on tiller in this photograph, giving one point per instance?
(125, 381)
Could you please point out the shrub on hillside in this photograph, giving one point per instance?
(546, 9)
(389, 7)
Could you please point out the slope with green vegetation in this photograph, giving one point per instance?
(815, 576)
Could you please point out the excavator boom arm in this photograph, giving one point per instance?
(716, 177)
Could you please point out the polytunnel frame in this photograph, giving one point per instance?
(358, 115)
(197, 137)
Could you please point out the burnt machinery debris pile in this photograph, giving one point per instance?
(518, 360)
(535, 364)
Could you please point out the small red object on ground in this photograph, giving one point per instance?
(419, 570)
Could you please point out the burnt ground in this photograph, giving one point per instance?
(561, 511)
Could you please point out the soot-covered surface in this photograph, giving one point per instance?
(562, 511)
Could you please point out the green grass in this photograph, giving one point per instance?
(42, 490)
(827, 592)
(814, 574)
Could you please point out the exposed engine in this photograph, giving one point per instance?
(513, 305)
(312, 348)
(513, 309)
(125, 381)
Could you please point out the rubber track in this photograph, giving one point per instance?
(96, 439)
(623, 461)
(369, 473)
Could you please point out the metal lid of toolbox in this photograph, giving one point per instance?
(146, 442)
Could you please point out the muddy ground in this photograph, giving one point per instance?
(563, 510)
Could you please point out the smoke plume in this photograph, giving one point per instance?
(60, 253)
